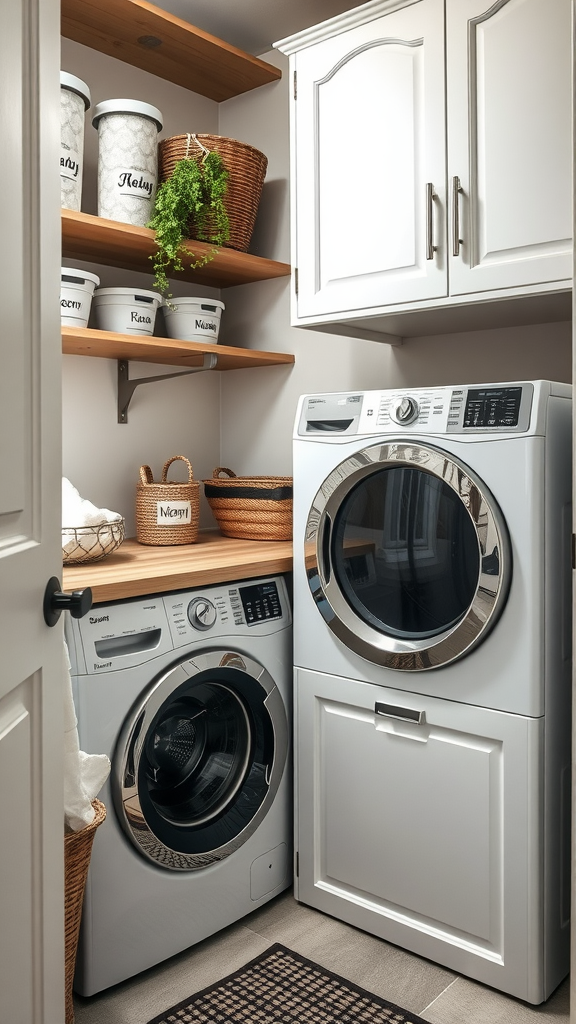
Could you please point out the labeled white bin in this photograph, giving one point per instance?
(126, 310)
(127, 159)
(76, 291)
(193, 319)
(74, 102)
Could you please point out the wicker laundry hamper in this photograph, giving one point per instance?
(251, 507)
(77, 853)
(246, 168)
(167, 512)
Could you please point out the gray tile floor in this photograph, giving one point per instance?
(436, 994)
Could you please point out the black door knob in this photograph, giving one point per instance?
(78, 603)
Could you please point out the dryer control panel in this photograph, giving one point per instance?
(500, 408)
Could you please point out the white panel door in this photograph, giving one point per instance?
(423, 834)
(370, 164)
(31, 790)
(509, 142)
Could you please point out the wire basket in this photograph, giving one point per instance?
(91, 543)
(246, 168)
(251, 507)
(77, 853)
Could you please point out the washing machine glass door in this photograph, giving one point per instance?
(200, 759)
(407, 556)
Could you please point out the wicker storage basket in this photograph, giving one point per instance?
(251, 507)
(77, 852)
(167, 512)
(246, 168)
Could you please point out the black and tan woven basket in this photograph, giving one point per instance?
(246, 168)
(251, 507)
(167, 512)
(77, 853)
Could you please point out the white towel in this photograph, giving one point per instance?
(77, 512)
(84, 774)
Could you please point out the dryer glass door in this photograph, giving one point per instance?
(407, 556)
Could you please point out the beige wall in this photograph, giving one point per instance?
(243, 419)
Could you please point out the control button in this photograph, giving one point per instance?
(201, 613)
(404, 410)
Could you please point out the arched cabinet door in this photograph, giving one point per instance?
(370, 162)
(509, 143)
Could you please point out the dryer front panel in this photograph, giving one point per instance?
(200, 759)
(407, 555)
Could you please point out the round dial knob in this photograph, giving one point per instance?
(404, 410)
(201, 613)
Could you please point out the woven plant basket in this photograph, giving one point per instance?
(167, 512)
(77, 853)
(246, 168)
(251, 507)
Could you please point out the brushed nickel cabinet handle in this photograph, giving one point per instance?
(456, 240)
(430, 196)
(403, 714)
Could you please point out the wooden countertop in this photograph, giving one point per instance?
(137, 569)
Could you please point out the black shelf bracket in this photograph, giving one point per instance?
(127, 386)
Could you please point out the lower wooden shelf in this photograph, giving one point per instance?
(135, 570)
(84, 341)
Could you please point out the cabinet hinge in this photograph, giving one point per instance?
(574, 551)
(295, 87)
(297, 863)
(296, 280)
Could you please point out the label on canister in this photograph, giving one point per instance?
(70, 163)
(134, 183)
(172, 513)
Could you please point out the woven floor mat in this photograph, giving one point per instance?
(282, 987)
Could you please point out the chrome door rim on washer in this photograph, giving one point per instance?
(131, 744)
(355, 633)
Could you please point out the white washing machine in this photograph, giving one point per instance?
(189, 694)
(432, 638)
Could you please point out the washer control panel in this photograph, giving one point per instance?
(216, 611)
(500, 408)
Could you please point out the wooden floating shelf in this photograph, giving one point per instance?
(97, 240)
(141, 34)
(78, 341)
(136, 569)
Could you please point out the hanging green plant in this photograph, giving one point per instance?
(194, 192)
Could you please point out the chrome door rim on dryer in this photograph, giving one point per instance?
(442, 646)
(147, 821)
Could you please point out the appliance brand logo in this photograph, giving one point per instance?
(105, 664)
(94, 619)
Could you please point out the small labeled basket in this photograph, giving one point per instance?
(167, 512)
(251, 507)
(77, 853)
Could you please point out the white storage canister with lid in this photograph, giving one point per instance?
(193, 319)
(126, 310)
(127, 159)
(76, 290)
(74, 102)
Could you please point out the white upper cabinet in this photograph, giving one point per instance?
(369, 138)
(428, 176)
(509, 143)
